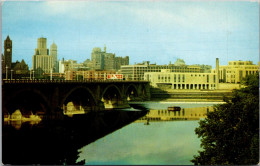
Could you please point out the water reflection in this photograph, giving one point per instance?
(16, 119)
(169, 139)
(56, 141)
(161, 143)
(101, 139)
(184, 114)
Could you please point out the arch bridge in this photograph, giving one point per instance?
(47, 97)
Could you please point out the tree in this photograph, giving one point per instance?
(230, 134)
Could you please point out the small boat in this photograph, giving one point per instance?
(174, 108)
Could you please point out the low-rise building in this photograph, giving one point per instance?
(20, 69)
(177, 80)
(136, 72)
(88, 74)
(235, 71)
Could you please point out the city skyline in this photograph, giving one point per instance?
(155, 31)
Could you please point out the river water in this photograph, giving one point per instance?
(167, 141)
(146, 134)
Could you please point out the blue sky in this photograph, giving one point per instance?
(155, 31)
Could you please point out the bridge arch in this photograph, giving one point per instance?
(80, 96)
(112, 96)
(112, 87)
(28, 101)
(131, 92)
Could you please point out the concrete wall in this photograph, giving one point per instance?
(229, 86)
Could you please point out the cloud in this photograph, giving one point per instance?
(194, 17)
(201, 16)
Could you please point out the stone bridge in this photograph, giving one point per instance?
(46, 97)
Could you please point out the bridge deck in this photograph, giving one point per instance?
(71, 81)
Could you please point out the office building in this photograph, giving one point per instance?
(53, 53)
(177, 80)
(101, 60)
(235, 71)
(136, 72)
(42, 61)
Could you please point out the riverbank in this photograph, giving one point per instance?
(173, 95)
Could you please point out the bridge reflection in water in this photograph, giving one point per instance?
(57, 141)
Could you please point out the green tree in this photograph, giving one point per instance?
(230, 134)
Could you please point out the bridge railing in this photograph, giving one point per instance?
(13, 81)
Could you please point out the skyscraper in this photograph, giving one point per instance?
(53, 53)
(42, 62)
(101, 60)
(97, 58)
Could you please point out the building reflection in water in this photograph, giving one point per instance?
(184, 114)
(56, 141)
(16, 119)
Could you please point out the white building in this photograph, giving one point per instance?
(182, 80)
(61, 67)
(235, 71)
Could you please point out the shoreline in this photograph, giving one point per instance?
(184, 102)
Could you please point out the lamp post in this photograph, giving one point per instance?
(6, 72)
(77, 76)
(33, 74)
(83, 76)
(68, 75)
(12, 74)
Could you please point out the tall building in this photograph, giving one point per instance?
(101, 60)
(97, 58)
(119, 61)
(109, 61)
(16, 69)
(8, 53)
(42, 47)
(42, 61)
(53, 53)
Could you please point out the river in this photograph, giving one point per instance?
(150, 135)
(162, 142)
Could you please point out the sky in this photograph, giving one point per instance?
(158, 31)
